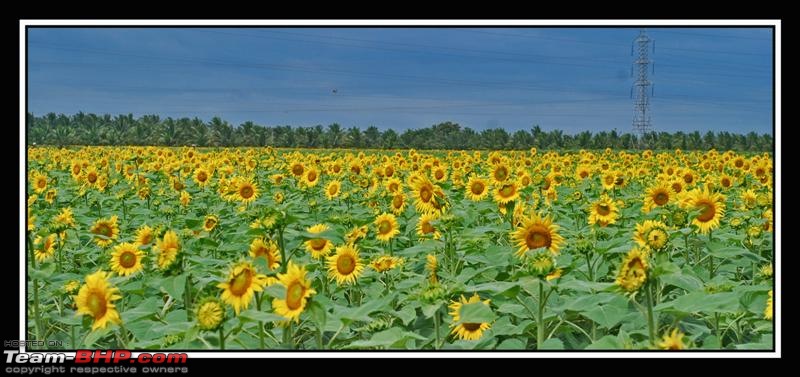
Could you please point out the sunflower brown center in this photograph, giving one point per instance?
(345, 264)
(312, 176)
(397, 201)
(41, 183)
(333, 189)
(426, 194)
(97, 304)
(104, 229)
(708, 211)
(688, 178)
(146, 239)
(507, 191)
(635, 268)
(427, 227)
(477, 188)
(537, 237)
(584, 174)
(661, 198)
(469, 326)
(438, 174)
(393, 186)
(294, 295)
(127, 259)
(739, 163)
(384, 227)
(501, 174)
(318, 243)
(677, 187)
(297, 169)
(726, 182)
(202, 176)
(91, 177)
(241, 282)
(603, 210)
(210, 223)
(246, 192)
(76, 169)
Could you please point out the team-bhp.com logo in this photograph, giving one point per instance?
(113, 361)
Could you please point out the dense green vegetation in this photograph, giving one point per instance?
(93, 129)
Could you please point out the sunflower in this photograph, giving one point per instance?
(477, 188)
(386, 226)
(439, 174)
(432, 265)
(711, 207)
(298, 290)
(507, 192)
(47, 249)
(537, 232)
(394, 185)
(398, 203)
(105, 230)
(202, 176)
(768, 310)
(658, 195)
(240, 286)
(583, 172)
(356, 234)
(210, 222)
(608, 180)
(500, 173)
(749, 199)
(425, 228)
(210, 314)
(424, 194)
(144, 235)
(50, 195)
(31, 220)
(246, 191)
(297, 168)
(65, 218)
(311, 177)
(385, 263)
(603, 212)
(268, 250)
(333, 189)
(345, 266)
(91, 175)
(672, 341)
(126, 259)
(726, 181)
(318, 247)
(167, 249)
(633, 271)
(185, 198)
(96, 298)
(467, 330)
(651, 234)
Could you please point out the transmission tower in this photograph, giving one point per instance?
(641, 87)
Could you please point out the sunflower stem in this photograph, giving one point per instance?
(436, 328)
(710, 259)
(221, 338)
(37, 319)
(284, 262)
(650, 322)
(589, 266)
(540, 318)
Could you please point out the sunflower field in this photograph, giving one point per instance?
(262, 248)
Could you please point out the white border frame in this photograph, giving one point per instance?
(378, 23)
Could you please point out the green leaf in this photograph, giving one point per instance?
(175, 286)
(553, 344)
(143, 309)
(255, 315)
(392, 337)
(695, 302)
(318, 314)
(95, 335)
(608, 342)
(476, 312)
(610, 314)
(511, 344)
(495, 287)
(687, 282)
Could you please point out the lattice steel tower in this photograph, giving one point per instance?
(641, 87)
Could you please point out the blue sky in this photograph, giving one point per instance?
(573, 79)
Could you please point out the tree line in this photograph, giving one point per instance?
(93, 129)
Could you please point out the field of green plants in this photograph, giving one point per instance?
(326, 249)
